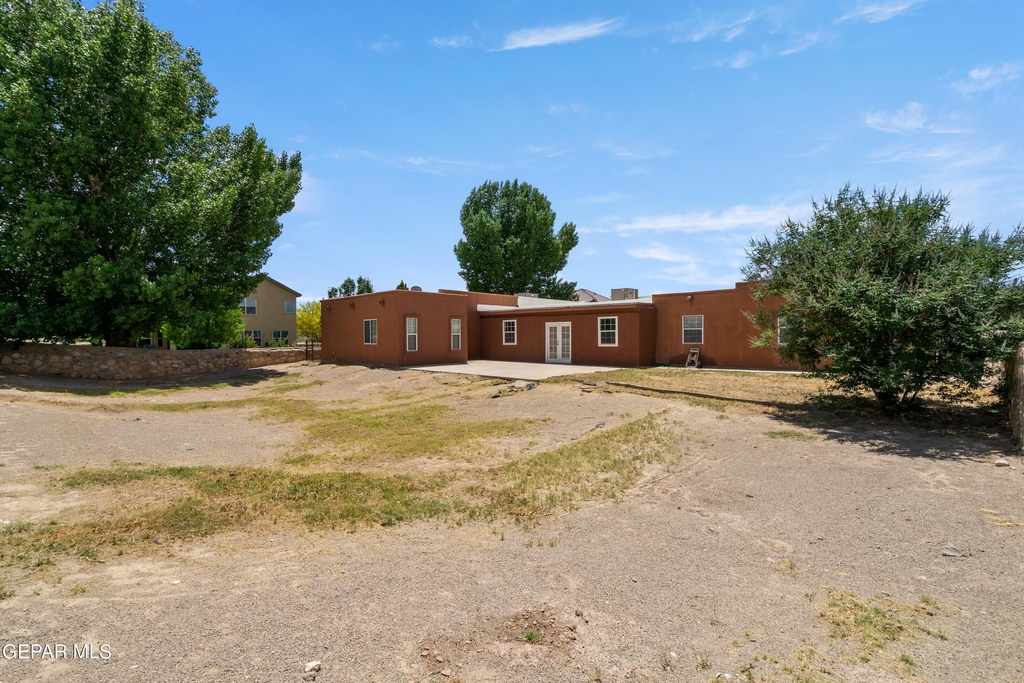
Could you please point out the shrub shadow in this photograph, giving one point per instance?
(935, 430)
(99, 387)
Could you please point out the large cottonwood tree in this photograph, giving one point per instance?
(121, 208)
(509, 243)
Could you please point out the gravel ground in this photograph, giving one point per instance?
(722, 557)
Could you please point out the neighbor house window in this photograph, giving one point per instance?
(370, 331)
(289, 306)
(782, 328)
(412, 334)
(248, 306)
(607, 331)
(693, 329)
(509, 327)
(281, 334)
(257, 336)
(456, 334)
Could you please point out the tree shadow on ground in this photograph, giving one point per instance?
(935, 430)
(98, 387)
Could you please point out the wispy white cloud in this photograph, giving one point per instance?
(908, 119)
(820, 148)
(559, 35)
(605, 198)
(545, 151)
(685, 267)
(724, 29)
(880, 11)
(299, 138)
(454, 41)
(989, 77)
(949, 155)
(384, 44)
(420, 164)
(804, 42)
(626, 154)
(566, 109)
(742, 60)
(741, 216)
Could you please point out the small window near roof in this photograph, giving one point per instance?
(248, 306)
(370, 331)
(693, 329)
(289, 306)
(456, 334)
(608, 331)
(509, 328)
(412, 334)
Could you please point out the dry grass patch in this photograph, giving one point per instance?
(790, 434)
(393, 433)
(875, 622)
(997, 518)
(761, 386)
(601, 465)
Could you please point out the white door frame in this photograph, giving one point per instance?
(564, 341)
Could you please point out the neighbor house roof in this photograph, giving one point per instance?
(282, 285)
(588, 296)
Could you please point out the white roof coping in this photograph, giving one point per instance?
(531, 303)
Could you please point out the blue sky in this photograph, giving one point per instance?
(669, 133)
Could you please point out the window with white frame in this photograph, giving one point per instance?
(281, 334)
(248, 306)
(781, 329)
(289, 306)
(370, 331)
(608, 331)
(509, 329)
(257, 336)
(456, 334)
(412, 334)
(693, 329)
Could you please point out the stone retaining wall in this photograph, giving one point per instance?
(105, 362)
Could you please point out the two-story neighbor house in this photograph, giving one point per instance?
(269, 313)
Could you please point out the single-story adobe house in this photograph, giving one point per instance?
(402, 328)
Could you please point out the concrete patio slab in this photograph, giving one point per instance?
(508, 370)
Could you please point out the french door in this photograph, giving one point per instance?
(559, 336)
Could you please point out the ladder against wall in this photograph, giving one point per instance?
(693, 360)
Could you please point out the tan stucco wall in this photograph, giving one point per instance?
(270, 314)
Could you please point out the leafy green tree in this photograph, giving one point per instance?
(363, 285)
(307, 320)
(883, 293)
(347, 288)
(121, 209)
(402, 286)
(206, 330)
(509, 244)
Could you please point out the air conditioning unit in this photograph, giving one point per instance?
(625, 293)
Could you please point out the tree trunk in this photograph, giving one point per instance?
(888, 400)
(118, 337)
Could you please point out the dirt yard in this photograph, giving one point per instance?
(409, 526)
